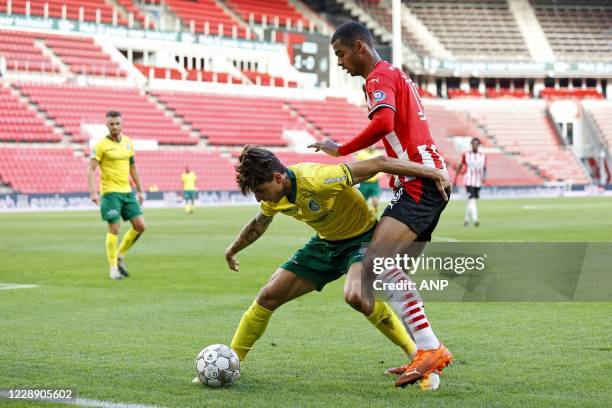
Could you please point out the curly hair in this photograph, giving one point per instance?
(256, 166)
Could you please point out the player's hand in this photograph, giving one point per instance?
(233, 264)
(443, 183)
(95, 198)
(329, 146)
(141, 197)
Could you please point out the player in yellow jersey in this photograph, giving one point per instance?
(323, 197)
(370, 187)
(115, 156)
(189, 179)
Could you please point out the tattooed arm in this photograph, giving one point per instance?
(249, 234)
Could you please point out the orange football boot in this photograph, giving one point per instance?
(423, 363)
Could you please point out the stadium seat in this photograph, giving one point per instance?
(20, 124)
(473, 30)
(90, 7)
(207, 17)
(525, 131)
(42, 170)
(264, 9)
(71, 106)
(233, 120)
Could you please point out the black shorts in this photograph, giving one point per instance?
(421, 217)
(473, 192)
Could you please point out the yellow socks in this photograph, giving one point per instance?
(390, 325)
(111, 249)
(251, 327)
(128, 240)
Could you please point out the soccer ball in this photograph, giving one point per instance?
(218, 366)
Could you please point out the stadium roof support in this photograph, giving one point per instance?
(397, 32)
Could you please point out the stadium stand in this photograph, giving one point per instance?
(21, 53)
(526, 131)
(445, 124)
(233, 120)
(454, 93)
(551, 93)
(381, 11)
(473, 30)
(55, 9)
(207, 17)
(503, 170)
(159, 72)
(163, 170)
(506, 94)
(139, 17)
(602, 115)
(576, 29)
(71, 106)
(325, 116)
(20, 124)
(265, 79)
(82, 55)
(42, 170)
(208, 76)
(264, 9)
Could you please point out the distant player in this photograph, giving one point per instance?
(397, 116)
(475, 163)
(370, 188)
(323, 197)
(189, 179)
(115, 156)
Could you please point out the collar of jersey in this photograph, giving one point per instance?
(119, 141)
(293, 193)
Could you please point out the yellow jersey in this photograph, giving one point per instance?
(114, 159)
(367, 155)
(323, 197)
(189, 181)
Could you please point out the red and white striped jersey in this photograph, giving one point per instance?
(388, 86)
(475, 164)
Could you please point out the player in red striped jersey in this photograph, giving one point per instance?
(397, 117)
(475, 163)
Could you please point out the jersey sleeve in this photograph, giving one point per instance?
(267, 209)
(380, 92)
(463, 161)
(333, 178)
(97, 153)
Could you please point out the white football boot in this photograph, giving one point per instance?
(115, 274)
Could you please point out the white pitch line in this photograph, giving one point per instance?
(9, 286)
(444, 239)
(84, 402)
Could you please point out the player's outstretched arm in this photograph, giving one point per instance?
(249, 234)
(363, 170)
(91, 169)
(381, 124)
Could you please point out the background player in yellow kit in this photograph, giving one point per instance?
(115, 156)
(189, 179)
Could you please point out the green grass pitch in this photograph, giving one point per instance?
(135, 341)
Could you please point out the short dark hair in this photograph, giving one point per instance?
(256, 166)
(475, 139)
(351, 31)
(113, 114)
